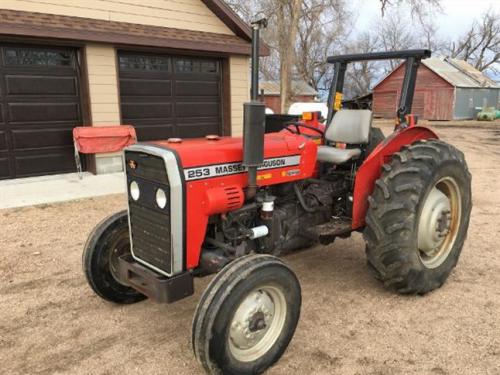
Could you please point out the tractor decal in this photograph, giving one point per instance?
(218, 170)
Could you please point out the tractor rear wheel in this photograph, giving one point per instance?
(108, 241)
(418, 217)
(247, 316)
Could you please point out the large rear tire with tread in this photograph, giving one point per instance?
(247, 316)
(108, 241)
(418, 217)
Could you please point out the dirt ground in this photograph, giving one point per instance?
(51, 322)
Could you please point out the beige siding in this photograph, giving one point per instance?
(101, 58)
(181, 14)
(240, 91)
(104, 102)
(103, 84)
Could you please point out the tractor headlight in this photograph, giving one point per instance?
(161, 198)
(135, 192)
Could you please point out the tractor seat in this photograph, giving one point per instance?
(349, 126)
(329, 154)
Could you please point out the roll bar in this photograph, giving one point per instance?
(388, 55)
(412, 57)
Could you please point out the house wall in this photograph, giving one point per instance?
(101, 58)
(239, 70)
(433, 99)
(185, 14)
(103, 84)
(467, 99)
(103, 97)
(274, 101)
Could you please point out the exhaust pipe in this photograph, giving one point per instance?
(254, 118)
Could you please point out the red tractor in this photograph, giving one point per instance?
(231, 206)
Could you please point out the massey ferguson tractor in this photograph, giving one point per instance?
(232, 206)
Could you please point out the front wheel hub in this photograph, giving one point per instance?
(257, 323)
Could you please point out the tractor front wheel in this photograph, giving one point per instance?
(108, 241)
(247, 316)
(418, 217)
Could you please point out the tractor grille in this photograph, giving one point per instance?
(150, 225)
(151, 237)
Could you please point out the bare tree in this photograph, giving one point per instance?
(307, 26)
(251, 10)
(361, 76)
(428, 35)
(480, 45)
(418, 7)
(321, 31)
(395, 33)
(288, 16)
(245, 9)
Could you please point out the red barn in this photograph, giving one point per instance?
(447, 89)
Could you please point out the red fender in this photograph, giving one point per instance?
(370, 171)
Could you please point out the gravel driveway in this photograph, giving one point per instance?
(51, 323)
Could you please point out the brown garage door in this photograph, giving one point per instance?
(39, 106)
(170, 96)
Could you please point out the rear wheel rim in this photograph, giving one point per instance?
(439, 222)
(257, 323)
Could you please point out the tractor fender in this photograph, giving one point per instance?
(371, 169)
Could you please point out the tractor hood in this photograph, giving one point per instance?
(207, 151)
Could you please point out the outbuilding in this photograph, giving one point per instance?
(446, 89)
(169, 68)
(302, 92)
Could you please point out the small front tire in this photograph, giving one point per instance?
(108, 241)
(247, 316)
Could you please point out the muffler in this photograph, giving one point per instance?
(254, 118)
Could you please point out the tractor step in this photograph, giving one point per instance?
(327, 232)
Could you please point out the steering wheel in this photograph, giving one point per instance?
(299, 125)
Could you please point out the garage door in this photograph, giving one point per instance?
(166, 96)
(39, 106)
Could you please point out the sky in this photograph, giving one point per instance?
(456, 18)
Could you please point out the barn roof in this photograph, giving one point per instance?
(459, 73)
(298, 88)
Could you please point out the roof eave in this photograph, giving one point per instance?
(384, 78)
(234, 22)
(118, 38)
